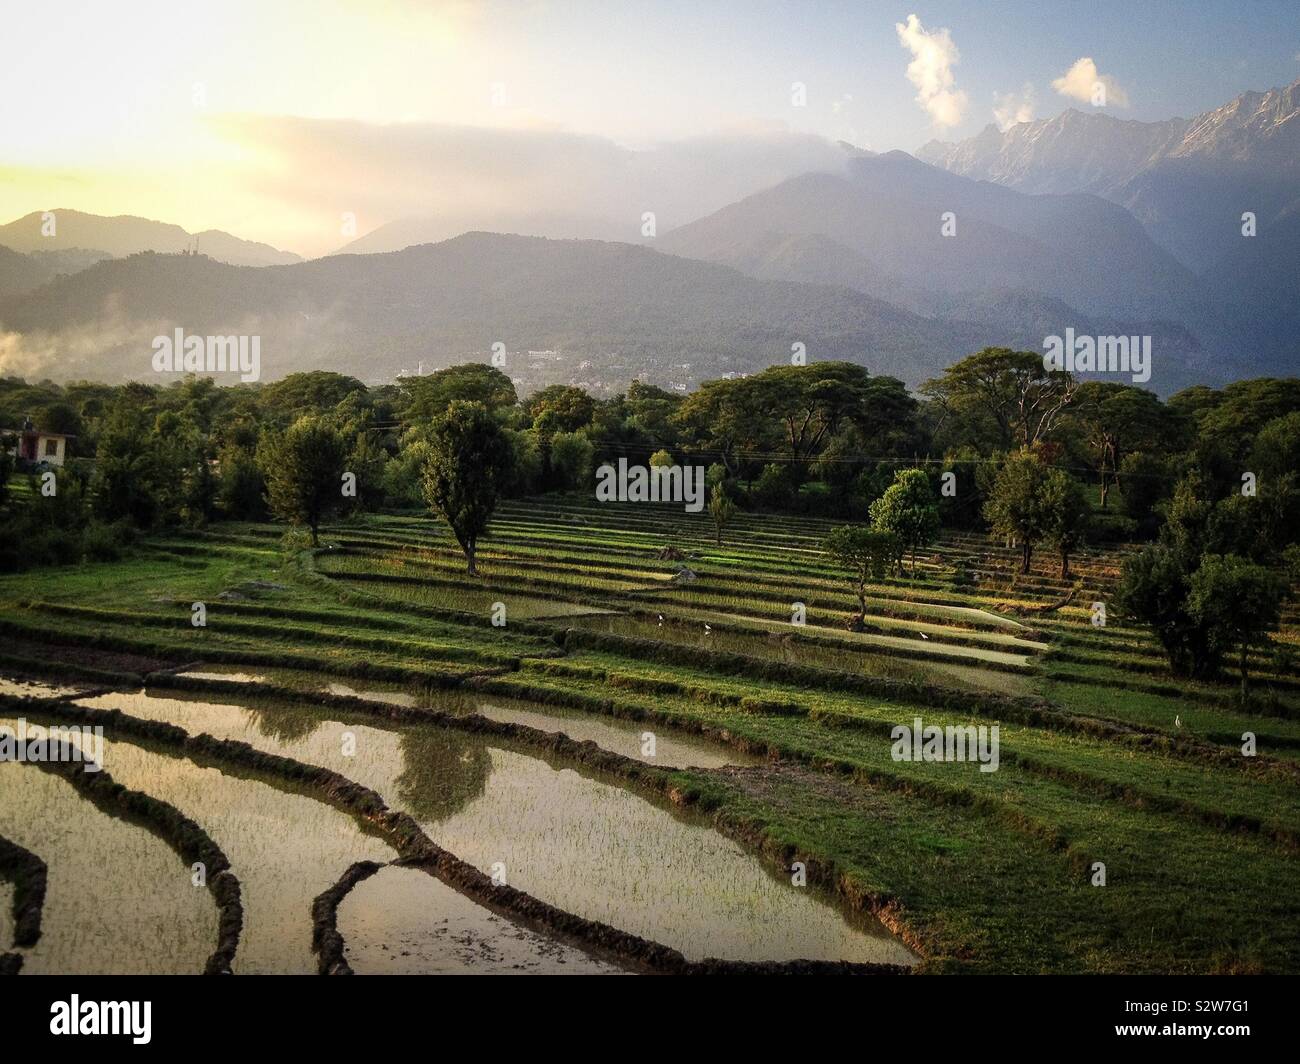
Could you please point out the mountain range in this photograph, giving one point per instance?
(67, 230)
(1081, 222)
(1197, 186)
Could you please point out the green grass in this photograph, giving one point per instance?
(1106, 757)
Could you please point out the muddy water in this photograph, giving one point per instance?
(402, 921)
(118, 898)
(582, 844)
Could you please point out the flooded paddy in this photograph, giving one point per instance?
(672, 749)
(285, 848)
(583, 844)
(401, 921)
(118, 898)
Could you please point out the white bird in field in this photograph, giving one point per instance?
(707, 629)
(923, 635)
(1178, 721)
(661, 620)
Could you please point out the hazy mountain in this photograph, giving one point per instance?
(1190, 183)
(1074, 152)
(610, 313)
(126, 235)
(888, 211)
(394, 236)
(21, 273)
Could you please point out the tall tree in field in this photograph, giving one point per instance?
(1018, 505)
(1068, 514)
(1005, 398)
(304, 469)
(1117, 419)
(908, 510)
(1238, 601)
(865, 554)
(468, 464)
(721, 509)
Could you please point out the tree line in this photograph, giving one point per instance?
(997, 442)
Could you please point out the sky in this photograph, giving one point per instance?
(271, 119)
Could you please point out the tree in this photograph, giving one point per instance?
(865, 554)
(130, 479)
(908, 510)
(662, 459)
(429, 396)
(1010, 392)
(570, 408)
(312, 392)
(721, 509)
(1068, 515)
(304, 469)
(571, 460)
(1117, 418)
(466, 469)
(1237, 603)
(1018, 505)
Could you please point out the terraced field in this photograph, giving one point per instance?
(647, 767)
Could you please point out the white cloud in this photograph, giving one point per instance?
(933, 57)
(1011, 109)
(1080, 82)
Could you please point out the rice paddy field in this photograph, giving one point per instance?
(615, 751)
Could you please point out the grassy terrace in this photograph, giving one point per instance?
(1105, 757)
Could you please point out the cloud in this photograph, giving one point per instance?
(933, 57)
(1010, 109)
(536, 182)
(1081, 81)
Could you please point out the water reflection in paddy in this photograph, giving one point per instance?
(582, 844)
(285, 848)
(401, 921)
(118, 898)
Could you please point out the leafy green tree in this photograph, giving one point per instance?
(1276, 450)
(866, 554)
(1002, 398)
(1237, 603)
(241, 492)
(304, 469)
(662, 459)
(572, 456)
(908, 511)
(368, 461)
(1068, 515)
(721, 509)
(131, 478)
(466, 468)
(301, 394)
(1018, 505)
(1143, 485)
(429, 396)
(570, 408)
(1117, 419)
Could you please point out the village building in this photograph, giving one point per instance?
(32, 446)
